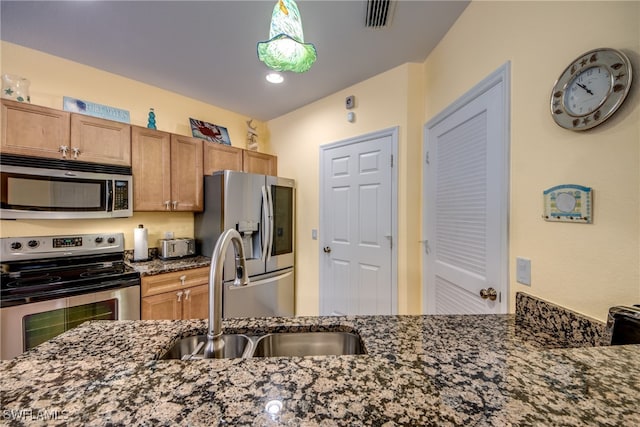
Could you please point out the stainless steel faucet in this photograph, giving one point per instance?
(215, 344)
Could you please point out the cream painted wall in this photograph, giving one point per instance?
(587, 268)
(387, 100)
(53, 77)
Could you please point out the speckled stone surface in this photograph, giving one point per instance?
(575, 329)
(156, 265)
(489, 370)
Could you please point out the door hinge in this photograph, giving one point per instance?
(426, 158)
(392, 160)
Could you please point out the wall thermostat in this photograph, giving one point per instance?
(350, 102)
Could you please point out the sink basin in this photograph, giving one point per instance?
(308, 344)
(234, 346)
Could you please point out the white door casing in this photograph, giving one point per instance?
(465, 201)
(358, 224)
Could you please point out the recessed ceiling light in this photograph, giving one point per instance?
(275, 78)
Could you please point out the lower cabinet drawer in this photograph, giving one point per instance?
(168, 282)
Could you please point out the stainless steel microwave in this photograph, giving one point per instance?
(38, 188)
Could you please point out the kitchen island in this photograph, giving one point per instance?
(419, 370)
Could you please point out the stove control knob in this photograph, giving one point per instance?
(16, 246)
(111, 240)
(33, 244)
(99, 240)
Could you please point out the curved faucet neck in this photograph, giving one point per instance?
(230, 236)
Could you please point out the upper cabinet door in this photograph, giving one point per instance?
(151, 164)
(260, 163)
(100, 141)
(31, 130)
(186, 173)
(218, 157)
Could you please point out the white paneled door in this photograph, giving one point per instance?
(465, 202)
(357, 210)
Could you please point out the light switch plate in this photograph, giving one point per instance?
(523, 271)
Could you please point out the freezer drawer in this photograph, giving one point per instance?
(267, 295)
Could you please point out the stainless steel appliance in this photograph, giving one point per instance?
(176, 248)
(51, 284)
(261, 208)
(39, 188)
(623, 324)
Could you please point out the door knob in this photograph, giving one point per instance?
(489, 293)
(327, 250)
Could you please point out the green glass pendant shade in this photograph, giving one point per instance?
(286, 50)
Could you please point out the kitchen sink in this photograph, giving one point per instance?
(235, 345)
(308, 344)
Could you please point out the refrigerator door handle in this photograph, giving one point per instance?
(262, 282)
(270, 244)
(266, 225)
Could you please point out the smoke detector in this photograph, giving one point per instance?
(379, 13)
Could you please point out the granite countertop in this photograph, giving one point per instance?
(488, 370)
(158, 266)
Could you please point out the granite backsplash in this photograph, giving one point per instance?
(575, 329)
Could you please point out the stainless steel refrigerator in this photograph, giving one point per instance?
(261, 208)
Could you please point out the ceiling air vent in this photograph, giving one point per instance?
(379, 13)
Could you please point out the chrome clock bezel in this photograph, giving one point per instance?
(620, 72)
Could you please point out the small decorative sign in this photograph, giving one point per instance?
(96, 110)
(209, 132)
(568, 203)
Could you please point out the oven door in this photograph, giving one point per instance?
(25, 326)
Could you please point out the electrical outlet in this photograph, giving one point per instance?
(523, 271)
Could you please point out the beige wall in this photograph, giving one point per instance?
(387, 100)
(584, 267)
(587, 268)
(53, 77)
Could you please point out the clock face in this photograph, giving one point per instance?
(591, 89)
(587, 91)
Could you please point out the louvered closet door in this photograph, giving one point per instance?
(465, 198)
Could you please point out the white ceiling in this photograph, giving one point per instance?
(207, 49)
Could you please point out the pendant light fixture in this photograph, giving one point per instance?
(286, 50)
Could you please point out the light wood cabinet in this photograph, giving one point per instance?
(167, 171)
(32, 130)
(186, 174)
(219, 157)
(100, 141)
(176, 295)
(261, 163)
(224, 157)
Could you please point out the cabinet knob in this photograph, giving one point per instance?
(186, 294)
(175, 204)
(179, 296)
(182, 279)
(167, 205)
(63, 149)
(76, 152)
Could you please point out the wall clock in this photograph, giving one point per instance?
(591, 89)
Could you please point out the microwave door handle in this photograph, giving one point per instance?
(271, 228)
(265, 227)
(109, 195)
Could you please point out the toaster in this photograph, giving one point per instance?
(176, 248)
(623, 325)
